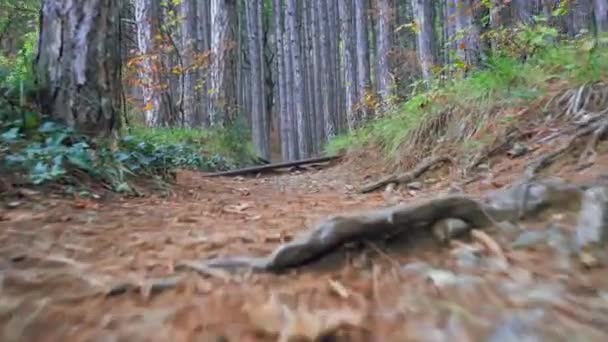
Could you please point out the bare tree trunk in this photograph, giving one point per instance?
(384, 42)
(307, 62)
(579, 17)
(524, 11)
(319, 79)
(600, 8)
(222, 94)
(203, 27)
(362, 38)
(261, 136)
(283, 111)
(301, 124)
(294, 152)
(424, 14)
(189, 51)
(469, 47)
(348, 62)
(78, 64)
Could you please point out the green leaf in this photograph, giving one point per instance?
(11, 135)
(49, 127)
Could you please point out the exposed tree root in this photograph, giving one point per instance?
(597, 129)
(393, 222)
(589, 154)
(407, 177)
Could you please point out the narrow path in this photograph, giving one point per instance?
(57, 254)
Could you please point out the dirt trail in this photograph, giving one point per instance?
(58, 254)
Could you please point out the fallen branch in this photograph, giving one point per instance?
(270, 167)
(154, 286)
(407, 177)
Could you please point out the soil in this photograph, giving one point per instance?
(60, 257)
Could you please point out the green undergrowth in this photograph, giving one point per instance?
(35, 150)
(503, 82)
(38, 151)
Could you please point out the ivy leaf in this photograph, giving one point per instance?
(11, 135)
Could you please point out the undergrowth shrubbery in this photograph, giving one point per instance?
(37, 150)
(506, 79)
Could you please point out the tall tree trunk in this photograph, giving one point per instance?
(146, 17)
(328, 71)
(260, 133)
(222, 88)
(203, 26)
(384, 43)
(319, 79)
(189, 52)
(307, 62)
(349, 78)
(362, 38)
(469, 47)
(424, 14)
(294, 36)
(283, 111)
(600, 8)
(579, 16)
(294, 152)
(524, 11)
(78, 64)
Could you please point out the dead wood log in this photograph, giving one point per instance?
(270, 167)
(407, 177)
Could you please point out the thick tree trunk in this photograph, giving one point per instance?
(78, 64)
(600, 9)
(261, 136)
(349, 78)
(294, 152)
(319, 91)
(282, 101)
(203, 26)
(189, 35)
(221, 79)
(579, 17)
(469, 47)
(424, 14)
(362, 38)
(301, 123)
(328, 70)
(384, 42)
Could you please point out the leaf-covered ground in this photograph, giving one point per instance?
(60, 257)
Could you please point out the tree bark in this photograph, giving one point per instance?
(260, 133)
(78, 64)
(221, 78)
(468, 47)
(362, 38)
(600, 8)
(294, 36)
(349, 78)
(424, 14)
(189, 53)
(383, 46)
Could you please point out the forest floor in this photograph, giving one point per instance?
(59, 257)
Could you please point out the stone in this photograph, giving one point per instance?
(592, 225)
(517, 328)
(529, 238)
(446, 229)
